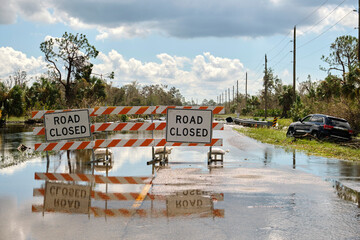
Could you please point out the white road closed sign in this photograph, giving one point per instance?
(189, 125)
(67, 125)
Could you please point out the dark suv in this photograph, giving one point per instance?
(321, 126)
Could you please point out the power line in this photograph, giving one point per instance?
(312, 12)
(324, 31)
(280, 52)
(314, 25)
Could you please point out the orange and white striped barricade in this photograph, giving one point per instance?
(107, 143)
(130, 110)
(91, 178)
(128, 126)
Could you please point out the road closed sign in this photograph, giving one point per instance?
(62, 197)
(67, 125)
(189, 125)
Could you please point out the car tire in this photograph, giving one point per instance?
(290, 132)
(317, 135)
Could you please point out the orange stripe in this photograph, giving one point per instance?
(214, 125)
(114, 180)
(67, 146)
(176, 144)
(109, 212)
(142, 110)
(203, 108)
(125, 110)
(83, 177)
(134, 195)
(67, 177)
(50, 176)
(83, 145)
(147, 142)
(108, 110)
(120, 196)
(33, 113)
(165, 111)
(130, 180)
(162, 142)
(98, 179)
(37, 145)
(92, 128)
(136, 126)
(120, 126)
(141, 212)
(50, 146)
(187, 107)
(104, 126)
(161, 126)
(193, 144)
(124, 212)
(98, 142)
(103, 196)
(94, 112)
(37, 177)
(217, 109)
(41, 132)
(130, 142)
(114, 142)
(151, 127)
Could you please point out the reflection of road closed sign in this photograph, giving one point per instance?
(67, 125)
(60, 197)
(189, 125)
(189, 202)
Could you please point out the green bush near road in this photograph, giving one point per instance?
(313, 147)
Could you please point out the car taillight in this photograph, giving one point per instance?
(328, 127)
(351, 131)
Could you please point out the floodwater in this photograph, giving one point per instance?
(260, 192)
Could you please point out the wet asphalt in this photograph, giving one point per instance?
(259, 192)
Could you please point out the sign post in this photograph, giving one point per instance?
(189, 125)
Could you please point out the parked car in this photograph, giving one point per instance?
(321, 126)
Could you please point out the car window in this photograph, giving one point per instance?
(317, 119)
(307, 119)
(339, 123)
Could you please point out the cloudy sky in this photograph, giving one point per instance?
(201, 47)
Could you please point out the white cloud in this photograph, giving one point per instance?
(204, 76)
(183, 19)
(12, 60)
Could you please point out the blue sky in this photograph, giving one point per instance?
(201, 47)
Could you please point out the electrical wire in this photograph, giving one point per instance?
(322, 33)
(312, 12)
(316, 24)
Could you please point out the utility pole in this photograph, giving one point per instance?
(225, 101)
(229, 97)
(359, 32)
(233, 94)
(237, 91)
(246, 89)
(294, 65)
(266, 83)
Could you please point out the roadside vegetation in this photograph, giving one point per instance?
(308, 145)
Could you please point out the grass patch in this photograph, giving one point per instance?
(15, 119)
(313, 147)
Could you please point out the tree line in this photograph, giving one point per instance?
(338, 94)
(71, 83)
(76, 86)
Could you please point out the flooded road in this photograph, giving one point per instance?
(260, 192)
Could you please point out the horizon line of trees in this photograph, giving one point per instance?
(77, 87)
